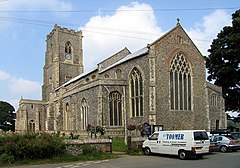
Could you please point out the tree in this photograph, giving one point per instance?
(7, 116)
(237, 118)
(223, 63)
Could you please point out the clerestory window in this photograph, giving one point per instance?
(180, 83)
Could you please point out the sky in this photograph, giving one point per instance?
(108, 26)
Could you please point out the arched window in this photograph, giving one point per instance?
(84, 114)
(32, 126)
(115, 107)
(118, 74)
(213, 100)
(136, 93)
(67, 117)
(180, 83)
(68, 48)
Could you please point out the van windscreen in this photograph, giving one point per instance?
(200, 135)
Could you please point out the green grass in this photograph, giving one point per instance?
(118, 145)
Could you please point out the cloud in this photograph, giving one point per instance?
(19, 85)
(108, 34)
(14, 103)
(4, 75)
(207, 29)
(105, 35)
(12, 87)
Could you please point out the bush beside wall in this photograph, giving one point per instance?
(40, 146)
(29, 146)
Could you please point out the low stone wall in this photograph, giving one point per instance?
(74, 146)
(136, 142)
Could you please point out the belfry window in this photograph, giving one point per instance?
(84, 114)
(68, 48)
(180, 83)
(136, 93)
(115, 108)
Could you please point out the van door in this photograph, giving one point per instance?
(153, 142)
(201, 142)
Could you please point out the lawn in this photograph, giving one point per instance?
(118, 145)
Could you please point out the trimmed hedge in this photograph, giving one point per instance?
(29, 146)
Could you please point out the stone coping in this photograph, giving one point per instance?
(86, 141)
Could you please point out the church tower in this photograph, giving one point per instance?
(63, 59)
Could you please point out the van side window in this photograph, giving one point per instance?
(153, 136)
(200, 136)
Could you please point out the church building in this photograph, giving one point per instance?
(163, 84)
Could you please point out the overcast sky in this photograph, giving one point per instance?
(108, 26)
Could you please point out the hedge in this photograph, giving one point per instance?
(29, 146)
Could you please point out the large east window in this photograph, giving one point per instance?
(180, 83)
(115, 106)
(136, 93)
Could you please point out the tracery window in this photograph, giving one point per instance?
(84, 114)
(115, 108)
(180, 83)
(136, 93)
(68, 48)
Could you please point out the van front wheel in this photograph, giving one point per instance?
(182, 154)
(147, 151)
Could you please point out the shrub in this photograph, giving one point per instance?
(30, 146)
(6, 158)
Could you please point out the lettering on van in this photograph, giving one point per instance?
(174, 136)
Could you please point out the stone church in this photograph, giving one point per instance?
(163, 84)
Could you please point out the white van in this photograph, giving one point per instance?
(183, 143)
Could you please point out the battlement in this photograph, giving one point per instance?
(64, 30)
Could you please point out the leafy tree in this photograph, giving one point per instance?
(7, 116)
(223, 63)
